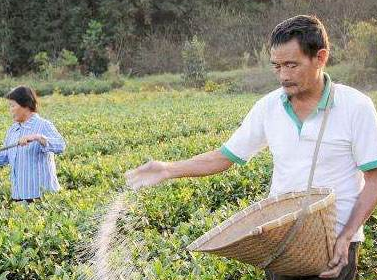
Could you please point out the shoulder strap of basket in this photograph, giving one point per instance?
(305, 206)
(320, 135)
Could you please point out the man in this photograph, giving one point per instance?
(287, 120)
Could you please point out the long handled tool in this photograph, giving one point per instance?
(9, 147)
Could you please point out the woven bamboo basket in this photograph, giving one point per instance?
(253, 235)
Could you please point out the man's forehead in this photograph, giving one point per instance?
(286, 51)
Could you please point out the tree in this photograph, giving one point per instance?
(95, 58)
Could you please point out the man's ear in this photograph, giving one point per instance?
(322, 57)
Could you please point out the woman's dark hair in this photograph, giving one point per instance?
(25, 97)
(307, 30)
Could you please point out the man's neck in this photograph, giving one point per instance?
(313, 95)
(304, 103)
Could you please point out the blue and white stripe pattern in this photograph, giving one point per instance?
(33, 168)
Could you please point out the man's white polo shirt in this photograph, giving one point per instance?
(349, 144)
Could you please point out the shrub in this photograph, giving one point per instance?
(158, 53)
(58, 68)
(362, 47)
(211, 86)
(67, 59)
(357, 63)
(64, 87)
(44, 65)
(194, 68)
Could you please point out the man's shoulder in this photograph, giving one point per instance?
(268, 102)
(346, 95)
(272, 97)
(275, 93)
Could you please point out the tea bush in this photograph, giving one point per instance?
(111, 133)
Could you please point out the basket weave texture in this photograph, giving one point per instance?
(253, 235)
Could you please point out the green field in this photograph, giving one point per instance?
(110, 133)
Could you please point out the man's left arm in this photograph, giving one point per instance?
(362, 210)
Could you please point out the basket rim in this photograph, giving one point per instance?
(270, 225)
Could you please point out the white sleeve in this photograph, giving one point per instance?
(249, 138)
(364, 136)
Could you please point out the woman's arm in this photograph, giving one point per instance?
(50, 139)
(4, 158)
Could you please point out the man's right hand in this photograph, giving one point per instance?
(149, 174)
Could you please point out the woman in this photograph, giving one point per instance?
(32, 161)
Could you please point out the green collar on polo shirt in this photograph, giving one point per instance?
(321, 104)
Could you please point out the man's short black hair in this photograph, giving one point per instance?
(25, 97)
(307, 30)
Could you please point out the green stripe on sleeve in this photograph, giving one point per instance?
(368, 166)
(232, 157)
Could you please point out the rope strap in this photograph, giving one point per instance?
(305, 208)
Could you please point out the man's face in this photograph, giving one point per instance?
(295, 71)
